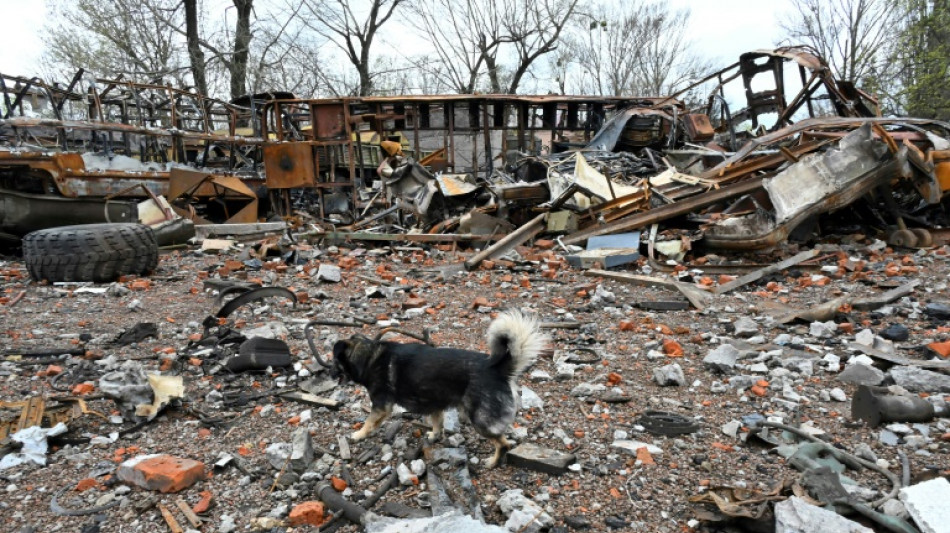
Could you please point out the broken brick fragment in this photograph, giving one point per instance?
(204, 503)
(161, 472)
(310, 513)
(338, 484)
(672, 348)
(940, 348)
(83, 388)
(413, 303)
(86, 484)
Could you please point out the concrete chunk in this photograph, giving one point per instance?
(795, 516)
(669, 375)
(722, 359)
(916, 379)
(329, 273)
(534, 457)
(861, 374)
(927, 504)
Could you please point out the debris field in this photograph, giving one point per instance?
(643, 406)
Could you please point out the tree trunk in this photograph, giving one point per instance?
(242, 42)
(195, 55)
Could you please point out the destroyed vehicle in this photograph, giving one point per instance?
(117, 151)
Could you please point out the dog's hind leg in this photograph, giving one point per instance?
(501, 447)
(435, 420)
(373, 421)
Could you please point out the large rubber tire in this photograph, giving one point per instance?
(90, 252)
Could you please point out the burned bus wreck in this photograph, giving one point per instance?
(478, 167)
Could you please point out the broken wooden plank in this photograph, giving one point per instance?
(663, 305)
(871, 303)
(696, 296)
(515, 238)
(345, 452)
(762, 272)
(189, 514)
(310, 399)
(170, 519)
(898, 360)
(396, 237)
(659, 214)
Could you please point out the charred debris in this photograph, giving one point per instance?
(804, 157)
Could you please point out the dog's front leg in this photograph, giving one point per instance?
(435, 420)
(501, 447)
(373, 421)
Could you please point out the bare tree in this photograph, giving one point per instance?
(533, 28)
(112, 38)
(601, 41)
(486, 39)
(463, 33)
(196, 56)
(352, 30)
(850, 34)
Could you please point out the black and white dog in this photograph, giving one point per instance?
(427, 380)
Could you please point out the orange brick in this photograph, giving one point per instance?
(83, 388)
(164, 473)
(338, 484)
(86, 484)
(311, 513)
(941, 348)
(204, 503)
(672, 348)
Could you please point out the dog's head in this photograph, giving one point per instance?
(352, 357)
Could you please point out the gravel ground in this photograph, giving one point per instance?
(587, 405)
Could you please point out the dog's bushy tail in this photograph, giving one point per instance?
(514, 341)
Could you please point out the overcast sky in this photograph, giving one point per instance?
(720, 29)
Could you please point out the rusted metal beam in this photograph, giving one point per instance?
(665, 212)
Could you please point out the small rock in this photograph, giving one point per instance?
(888, 438)
(864, 451)
(865, 337)
(330, 273)
(406, 477)
(669, 375)
(894, 507)
(745, 327)
(937, 310)
(227, 524)
(823, 330)
(530, 399)
(838, 395)
(861, 374)
(731, 428)
(534, 457)
(896, 332)
(631, 447)
(722, 359)
(523, 510)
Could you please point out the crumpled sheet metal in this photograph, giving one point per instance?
(591, 182)
(818, 176)
(165, 389)
(139, 394)
(734, 502)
